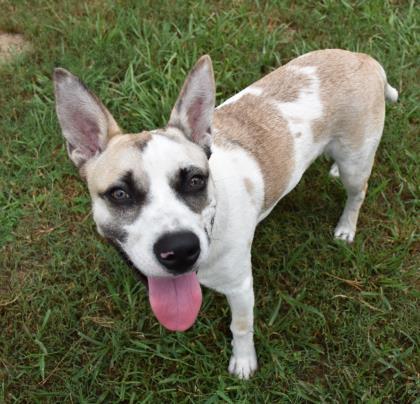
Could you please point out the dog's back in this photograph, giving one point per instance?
(325, 101)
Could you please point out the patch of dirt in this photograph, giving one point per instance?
(12, 45)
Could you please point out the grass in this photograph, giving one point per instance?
(333, 323)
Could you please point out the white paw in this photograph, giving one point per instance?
(334, 172)
(244, 366)
(345, 233)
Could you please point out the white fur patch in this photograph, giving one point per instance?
(300, 114)
(101, 213)
(256, 91)
(226, 269)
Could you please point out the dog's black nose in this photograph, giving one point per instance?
(177, 251)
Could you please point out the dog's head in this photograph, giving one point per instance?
(152, 192)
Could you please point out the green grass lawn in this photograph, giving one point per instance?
(334, 323)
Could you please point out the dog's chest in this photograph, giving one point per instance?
(239, 192)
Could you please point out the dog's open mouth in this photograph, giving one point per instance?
(175, 301)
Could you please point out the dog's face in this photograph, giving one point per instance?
(152, 192)
(148, 189)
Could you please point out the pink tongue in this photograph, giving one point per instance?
(175, 301)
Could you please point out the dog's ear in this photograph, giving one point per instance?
(86, 124)
(193, 111)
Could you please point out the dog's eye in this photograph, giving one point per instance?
(196, 183)
(191, 180)
(119, 195)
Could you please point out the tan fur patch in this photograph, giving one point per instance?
(141, 139)
(283, 84)
(249, 186)
(253, 123)
(241, 326)
(122, 154)
(348, 94)
(259, 129)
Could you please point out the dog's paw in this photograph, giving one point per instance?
(334, 171)
(243, 367)
(345, 233)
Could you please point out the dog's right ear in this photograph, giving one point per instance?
(86, 124)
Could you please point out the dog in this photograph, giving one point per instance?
(183, 202)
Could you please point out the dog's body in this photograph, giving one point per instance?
(173, 211)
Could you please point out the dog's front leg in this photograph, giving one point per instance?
(243, 362)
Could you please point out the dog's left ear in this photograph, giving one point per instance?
(193, 111)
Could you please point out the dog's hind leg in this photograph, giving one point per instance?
(346, 227)
(354, 168)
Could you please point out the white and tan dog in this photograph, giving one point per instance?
(183, 202)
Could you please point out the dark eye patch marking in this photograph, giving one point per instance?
(125, 210)
(194, 196)
(114, 233)
(134, 195)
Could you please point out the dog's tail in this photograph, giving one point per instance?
(391, 94)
